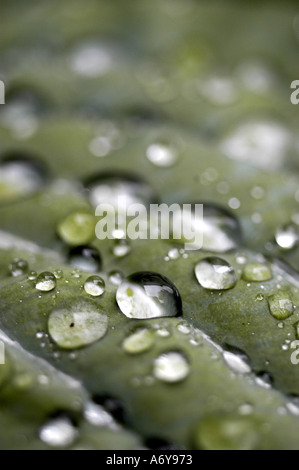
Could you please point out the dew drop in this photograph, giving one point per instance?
(119, 190)
(92, 60)
(77, 229)
(287, 236)
(220, 229)
(227, 432)
(58, 432)
(32, 275)
(257, 272)
(77, 326)
(281, 305)
(215, 274)
(18, 267)
(20, 176)
(148, 295)
(95, 286)
(116, 277)
(140, 341)
(162, 153)
(171, 367)
(45, 282)
(121, 248)
(237, 361)
(86, 258)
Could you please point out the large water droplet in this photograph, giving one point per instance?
(171, 367)
(77, 229)
(221, 230)
(139, 341)
(20, 176)
(148, 295)
(281, 305)
(257, 272)
(94, 286)
(45, 282)
(86, 258)
(287, 236)
(119, 189)
(58, 432)
(215, 274)
(77, 326)
(18, 267)
(227, 432)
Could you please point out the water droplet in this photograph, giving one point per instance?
(92, 60)
(78, 326)
(98, 416)
(94, 285)
(227, 432)
(237, 361)
(32, 275)
(86, 258)
(148, 295)
(221, 230)
(58, 432)
(58, 274)
(287, 236)
(259, 297)
(215, 274)
(18, 267)
(184, 328)
(20, 176)
(171, 367)
(140, 341)
(121, 248)
(45, 282)
(264, 379)
(116, 277)
(119, 190)
(281, 305)
(77, 229)
(163, 332)
(257, 272)
(163, 153)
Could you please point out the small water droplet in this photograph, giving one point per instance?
(162, 153)
(94, 285)
(173, 254)
(259, 297)
(58, 432)
(237, 361)
(171, 367)
(281, 305)
(77, 326)
(163, 332)
(32, 275)
(215, 274)
(287, 236)
(58, 274)
(45, 282)
(184, 328)
(257, 272)
(121, 248)
(116, 277)
(148, 295)
(18, 267)
(86, 258)
(139, 341)
(77, 229)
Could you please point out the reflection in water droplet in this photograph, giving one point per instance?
(58, 432)
(215, 274)
(287, 236)
(227, 432)
(162, 153)
(94, 286)
(257, 272)
(119, 190)
(20, 176)
(116, 277)
(77, 326)
(77, 229)
(45, 282)
(139, 341)
(171, 367)
(18, 267)
(86, 258)
(148, 295)
(220, 228)
(281, 305)
(121, 248)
